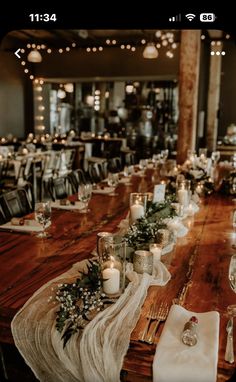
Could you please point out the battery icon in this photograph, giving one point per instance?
(207, 17)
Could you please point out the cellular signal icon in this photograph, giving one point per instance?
(175, 18)
(190, 16)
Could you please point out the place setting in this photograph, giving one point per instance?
(22, 225)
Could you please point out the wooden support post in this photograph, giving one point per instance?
(213, 99)
(188, 91)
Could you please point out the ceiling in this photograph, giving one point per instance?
(56, 38)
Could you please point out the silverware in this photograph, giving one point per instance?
(150, 316)
(229, 351)
(161, 316)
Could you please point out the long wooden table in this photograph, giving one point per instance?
(198, 265)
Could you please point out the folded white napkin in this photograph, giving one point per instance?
(76, 206)
(105, 190)
(176, 362)
(29, 226)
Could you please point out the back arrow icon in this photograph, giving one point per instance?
(17, 53)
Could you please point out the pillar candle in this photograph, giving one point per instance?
(113, 264)
(111, 283)
(183, 197)
(156, 251)
(136, 212)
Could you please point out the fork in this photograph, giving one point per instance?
(150, 316)
(161, 316)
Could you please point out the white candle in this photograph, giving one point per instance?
(112, 264)
(183, 197)
(190, 210)
(136, 212)
(156, 251)
(111, 283)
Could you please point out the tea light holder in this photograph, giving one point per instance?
(112, 260)
(138, 204)
(163, 237)
(143, 262)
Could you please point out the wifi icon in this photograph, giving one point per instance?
(190, 16)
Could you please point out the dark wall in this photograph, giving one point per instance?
(112, 62)
(227, 107)
(11, 96)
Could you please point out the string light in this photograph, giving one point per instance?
(216, 48)
(38, 96)
(163, 41)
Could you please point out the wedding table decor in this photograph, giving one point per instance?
(68, 349)
(31, 268)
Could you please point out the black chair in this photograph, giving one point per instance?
(15, 203)
(2, 216)
(95, 171)
(114, 164)
(76, 178)
(58, 188)
(129, 159)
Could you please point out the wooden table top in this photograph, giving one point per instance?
(198, 265)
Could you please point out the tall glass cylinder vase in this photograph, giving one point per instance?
(112, 259)
(183, 193)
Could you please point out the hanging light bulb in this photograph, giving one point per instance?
(34, 56)
(69, 87)
(150, 51)
(61, 93)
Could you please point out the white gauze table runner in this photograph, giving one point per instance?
(96, 355)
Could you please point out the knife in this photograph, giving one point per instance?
(229, 351)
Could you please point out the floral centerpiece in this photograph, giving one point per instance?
(80, 301)
(145, 230)
(228, 185)
(200, 181)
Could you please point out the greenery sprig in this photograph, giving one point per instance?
(160, 211)
(140, 234)
(145, 230)
(79, 301)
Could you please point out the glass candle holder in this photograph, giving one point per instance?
(112, 258)
(202, 152)
(163, 237)
(143, 262)
(100, 243)
(138, 204)
(149, 196)
(183, 193)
